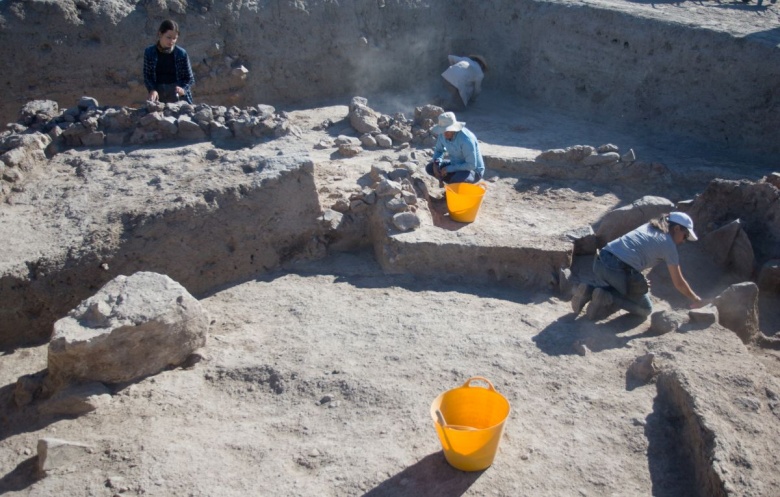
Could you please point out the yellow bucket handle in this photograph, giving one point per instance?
(480, 378)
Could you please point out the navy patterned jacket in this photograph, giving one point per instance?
(184, 76)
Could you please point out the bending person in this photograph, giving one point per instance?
(463, 78)
(167, 71)
(465, 164)
(621, 262)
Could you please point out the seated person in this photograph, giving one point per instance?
(465, 164)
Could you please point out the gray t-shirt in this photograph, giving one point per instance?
(644, 248)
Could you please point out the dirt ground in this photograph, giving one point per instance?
(320, 376)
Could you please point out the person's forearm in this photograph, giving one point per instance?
(686, 290)
(438, 150)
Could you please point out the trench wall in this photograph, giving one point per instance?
(606, 64)
(230, 236)
(697, 439)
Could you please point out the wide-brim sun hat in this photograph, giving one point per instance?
(447, 122)
(685, 221)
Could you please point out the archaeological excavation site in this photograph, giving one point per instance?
(264, 292)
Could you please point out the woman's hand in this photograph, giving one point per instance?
(696, 304)
(154, 96)
(180, 91)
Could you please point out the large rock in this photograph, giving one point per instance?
(730, 247)
(399, 134)
(23, 159)
(755, 204)
(738, 310)
(133, 327)
(24, 151)
(427, 112)
(363, 118)
(620, 221)
(662, 322)
(189, 130)
(706, 316)
(38, 112)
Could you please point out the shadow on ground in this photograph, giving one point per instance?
(431, 476)
(671, 473)
(361, 270)
(22, 476)
(568, 334)
(26, 419)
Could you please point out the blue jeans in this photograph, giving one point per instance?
(614, 272)
(457, 176)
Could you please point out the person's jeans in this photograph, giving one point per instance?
(614, 273)
(457, 176)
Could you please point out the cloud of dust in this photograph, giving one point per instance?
(399, 74)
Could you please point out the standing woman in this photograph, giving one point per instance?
(167, 71)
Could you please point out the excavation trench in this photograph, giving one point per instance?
(227, 235)
(210, 223)
(243, 214)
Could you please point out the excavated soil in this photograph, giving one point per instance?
(320, 375)
(322, 365)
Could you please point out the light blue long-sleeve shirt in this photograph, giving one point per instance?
(463, 150)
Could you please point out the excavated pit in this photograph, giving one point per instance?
(213, 221)
(212, 218)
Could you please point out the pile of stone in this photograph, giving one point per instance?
(602, 163)
(588, 156)
(44, 130)
(88, 124)
(19, 155)
(377, 130)
(391, 204)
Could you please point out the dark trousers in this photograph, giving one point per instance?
(455, 177)
(614, 273)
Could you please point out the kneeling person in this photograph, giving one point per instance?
(465, 164)
(621, 262)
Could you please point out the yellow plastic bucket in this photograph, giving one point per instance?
(463, 200)
(470, 421)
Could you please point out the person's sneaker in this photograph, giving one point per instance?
(581, 296)
(600, 306)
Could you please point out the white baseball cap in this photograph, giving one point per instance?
(685, 221)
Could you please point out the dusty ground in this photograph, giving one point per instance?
(255, 420)
(320, 375)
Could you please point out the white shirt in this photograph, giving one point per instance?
(466, 75)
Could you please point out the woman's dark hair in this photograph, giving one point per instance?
(481, 61)
(168, 25)
(662, 224)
